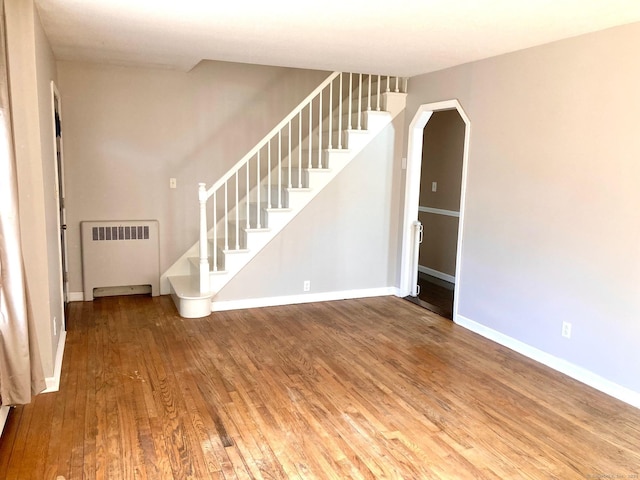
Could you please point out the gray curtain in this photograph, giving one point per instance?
(21, 374)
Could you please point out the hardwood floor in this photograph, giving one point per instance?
(372, 388)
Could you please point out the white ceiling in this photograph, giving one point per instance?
(398, 37)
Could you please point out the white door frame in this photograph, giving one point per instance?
(412, 193)
(60, 194)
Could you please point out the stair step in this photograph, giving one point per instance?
(187, 297)
(326, 156)
(194, 264)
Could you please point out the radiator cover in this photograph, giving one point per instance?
(119, 254)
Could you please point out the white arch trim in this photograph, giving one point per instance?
(412, 193)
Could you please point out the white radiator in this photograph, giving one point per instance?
(120, 254)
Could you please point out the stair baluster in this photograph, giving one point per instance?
(340, 116)
(258, 220)
(204, 255)
(300, 149)
(320, 130)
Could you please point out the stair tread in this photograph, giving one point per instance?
(276, 209)
(184, 288)
(233, 250)
(242, 228)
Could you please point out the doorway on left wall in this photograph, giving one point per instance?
(60, 197)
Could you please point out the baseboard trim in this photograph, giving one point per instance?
(435, 273)
(4, 413)
(53, 383)
(577, 373)
(224, 305)
(76, 296)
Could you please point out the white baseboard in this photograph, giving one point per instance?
(220, 306)
(577, 373)
(76, 296)
(435, 273)
(53, 383)
(4, 412)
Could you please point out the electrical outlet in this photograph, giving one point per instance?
(306, 286)
(173, 183)
(55, 327)
(566, 329)
(434, 186)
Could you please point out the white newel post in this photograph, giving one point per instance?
(204, 255)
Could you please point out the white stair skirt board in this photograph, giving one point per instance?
(222, 306)
(577, 373)
(184, 287)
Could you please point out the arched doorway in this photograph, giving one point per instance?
(411, 228)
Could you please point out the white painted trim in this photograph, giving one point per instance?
(224, 305)
(76, 296)
(4, 413)
(412, 192)
(435, 273)
(439, 211)
(578, 373)
(53, 383)
(58, 168)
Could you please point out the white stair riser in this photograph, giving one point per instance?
(258, 239)
(232, 260)
(297, 199)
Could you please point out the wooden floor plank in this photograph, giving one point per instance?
(9, 440)
(363, 389)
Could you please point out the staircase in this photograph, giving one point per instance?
(269, 186)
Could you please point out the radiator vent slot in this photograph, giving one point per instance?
(120, 257)
(135, 232)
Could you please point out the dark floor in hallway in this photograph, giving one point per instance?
(435, 295)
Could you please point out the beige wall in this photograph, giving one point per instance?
(551, 231)
(46, 68)
(31, 69)
(442, 150)
(128, 130)
(439, 241)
